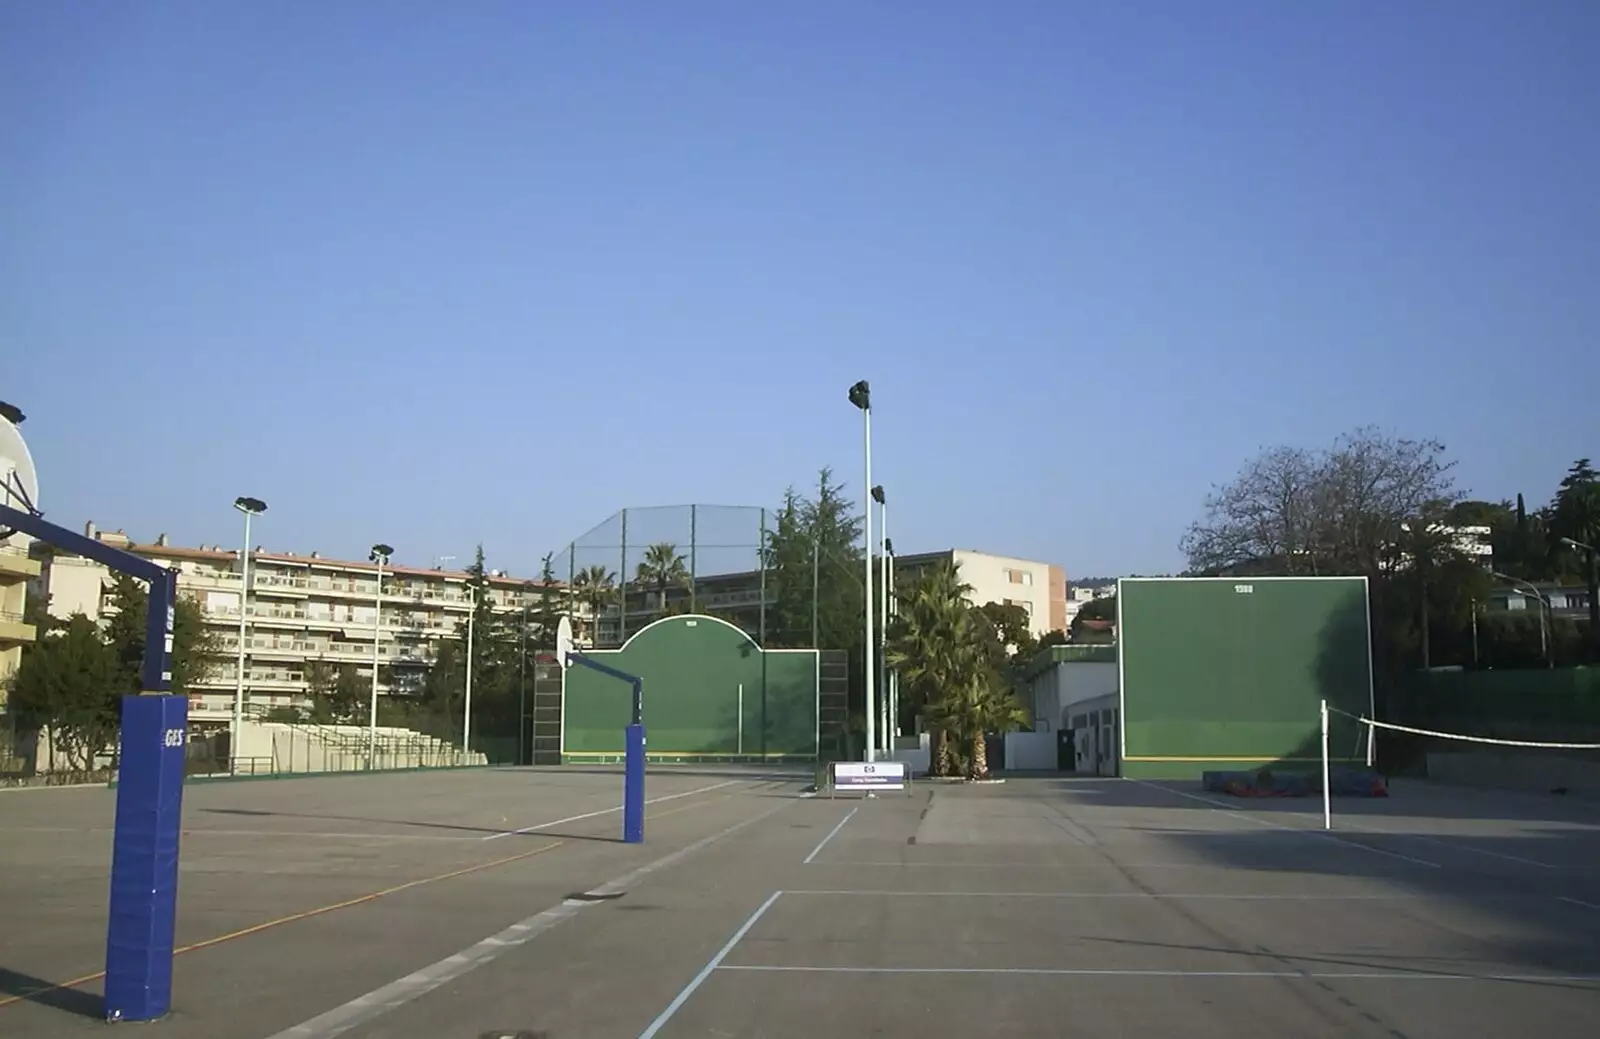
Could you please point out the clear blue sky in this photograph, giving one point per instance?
(436, 274)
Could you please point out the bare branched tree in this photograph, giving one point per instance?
(1342, 510)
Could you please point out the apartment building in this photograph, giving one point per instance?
(17, 571)
(1040, 589)
(299, 609)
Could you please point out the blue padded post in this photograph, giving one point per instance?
(144, 858)
(633, 788)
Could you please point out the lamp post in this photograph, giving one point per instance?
(883, 618)
(1544, 610)
(1594, 591)
(250, 507)
(861, 397)
(522, 677)
(466, 706)
(891, 689)
(380, 555)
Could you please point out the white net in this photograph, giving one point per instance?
(1460, 740)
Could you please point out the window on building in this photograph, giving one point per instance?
(1019, 576)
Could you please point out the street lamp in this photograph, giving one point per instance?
(1594, 589)
(1544, 610)
(883, 617)
(891, 691)
(380, 555)
(861, 397)
(466, 707)
(250, 507)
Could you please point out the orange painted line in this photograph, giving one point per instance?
(303, 915)
(346, 904)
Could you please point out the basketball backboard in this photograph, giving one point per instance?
(19, 481)
(564, 642)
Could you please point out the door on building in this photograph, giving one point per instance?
(1066, 750)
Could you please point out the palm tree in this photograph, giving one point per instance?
(930, 644)
(662, 569)
(953, 664)
(596, 586)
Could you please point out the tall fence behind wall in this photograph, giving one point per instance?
(1559, 705)
(642, 564)
(714, 566)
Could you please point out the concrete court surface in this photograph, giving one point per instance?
(1039, 907)
(299, 894)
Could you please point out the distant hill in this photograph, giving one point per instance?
(1091, 582)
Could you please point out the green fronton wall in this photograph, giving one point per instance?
(693, 668)
(1229, 674)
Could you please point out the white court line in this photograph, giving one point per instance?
(1223, 806)
(419, 983)
(705, 972)
(1579, 902)
(831, 833)
(608, 811)
(1056, 866)
(1462, 847)
(1111, 973)
(1064, 866)
(901, 893)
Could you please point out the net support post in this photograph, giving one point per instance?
(1327, 785)
(144, 857)
(633, 787)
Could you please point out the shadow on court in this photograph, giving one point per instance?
(50, 994)
(1517, 874)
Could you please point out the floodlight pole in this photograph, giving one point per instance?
(250, 507)
(633, 770)
(892, 690)
(885, 735)
(861, 397)
(380, 554)
(466, 708)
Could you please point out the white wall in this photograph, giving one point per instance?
(1033, 751)
(990, 582)
(1080, 681)
(74, 586)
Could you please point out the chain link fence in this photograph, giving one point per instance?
(642, 564)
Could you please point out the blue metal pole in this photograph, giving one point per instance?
(144, 846)
(633, 788)
(144, 843)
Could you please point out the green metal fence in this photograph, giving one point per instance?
(710, 693)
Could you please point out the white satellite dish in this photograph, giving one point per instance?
(19, 480)
(564, 642)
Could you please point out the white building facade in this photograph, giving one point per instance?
(1040, 589)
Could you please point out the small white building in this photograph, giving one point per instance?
(1073, 691)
